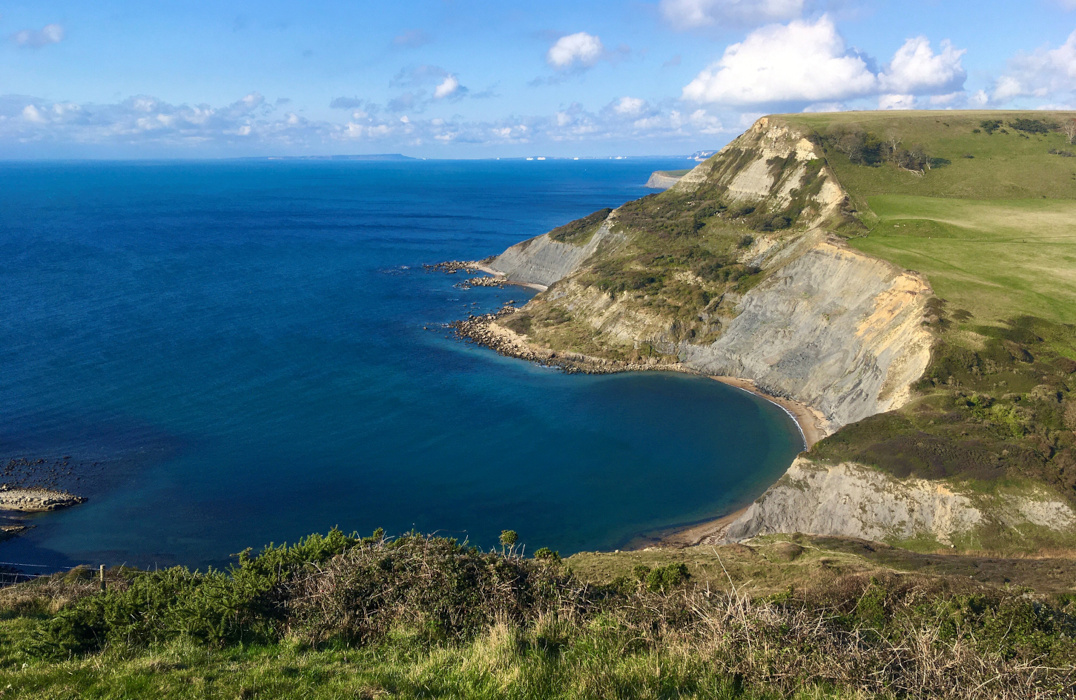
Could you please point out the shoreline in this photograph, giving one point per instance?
(810, 421)
(485, 331)
(16, 503)
(501, 276)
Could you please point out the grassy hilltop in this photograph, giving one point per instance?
(342, 616)
(993, 226)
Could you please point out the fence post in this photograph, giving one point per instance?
(102, 570)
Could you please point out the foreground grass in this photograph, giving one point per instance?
(341, 616)
(504, 662)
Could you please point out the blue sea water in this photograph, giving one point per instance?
(227, 354)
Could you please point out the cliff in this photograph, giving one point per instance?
(824, 325)
(662, 180)
(852, 500)
(745, 267)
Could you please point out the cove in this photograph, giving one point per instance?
(242, 352)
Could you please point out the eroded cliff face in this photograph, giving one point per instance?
(827, 326)
(738, 270)
(833, 328)
(821, 324)
(855, 501)
(543, 261)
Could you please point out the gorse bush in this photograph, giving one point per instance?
(412, 596)
(325, 587)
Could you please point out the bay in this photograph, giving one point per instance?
(233, 353)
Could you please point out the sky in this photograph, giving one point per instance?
(511, 78)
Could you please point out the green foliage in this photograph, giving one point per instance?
(445, 620)
(547, 554)
(1032, 126)
(508, 538)
(990, 125)
(997, 411)
(580, 231)
(665, 578)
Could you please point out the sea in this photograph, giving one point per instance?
(226, 354)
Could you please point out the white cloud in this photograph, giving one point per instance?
(36, 38)
(32, 114)
(579, 50)
(691, 14)
(1039, 74)
(629, 106)
(705, 123)
(447, 87)
(427, 83)
(896, 102)
(798, 62)
(144, 125)
(915, 68)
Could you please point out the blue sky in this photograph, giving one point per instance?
(458, 79)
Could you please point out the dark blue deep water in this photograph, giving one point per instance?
(222, 355)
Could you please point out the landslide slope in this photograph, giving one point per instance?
(907, 275)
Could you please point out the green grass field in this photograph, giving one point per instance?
(996, 259)
(1001, 165)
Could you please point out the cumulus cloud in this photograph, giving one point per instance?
(1039, 74)
(447, 87)
(36, 38)
(427, 83)
(575, 51)
(896, 102)
(915, 68)
(799, 62)
(251, 125)
(629, 106)
(691, 14)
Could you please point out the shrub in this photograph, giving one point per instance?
(665, 578)
(1032, 126)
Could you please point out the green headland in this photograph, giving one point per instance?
(907, 279)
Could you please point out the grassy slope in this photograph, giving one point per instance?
(787, 617)
(994, 230)
(998, 259)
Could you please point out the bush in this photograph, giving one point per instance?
(665, 578)
(1032, 126)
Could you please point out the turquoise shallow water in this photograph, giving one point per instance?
(237, 353)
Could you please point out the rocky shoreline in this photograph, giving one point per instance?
(36, 500)
(483, 330)
(18, 501)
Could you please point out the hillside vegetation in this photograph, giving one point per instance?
(342, 616)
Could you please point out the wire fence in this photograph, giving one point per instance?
(12, 572)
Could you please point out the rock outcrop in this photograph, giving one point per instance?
(829, 326)
(543, 261)
(855, 501)
(833, 328)
(661, 180)
(35, 500)
(826, 326)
